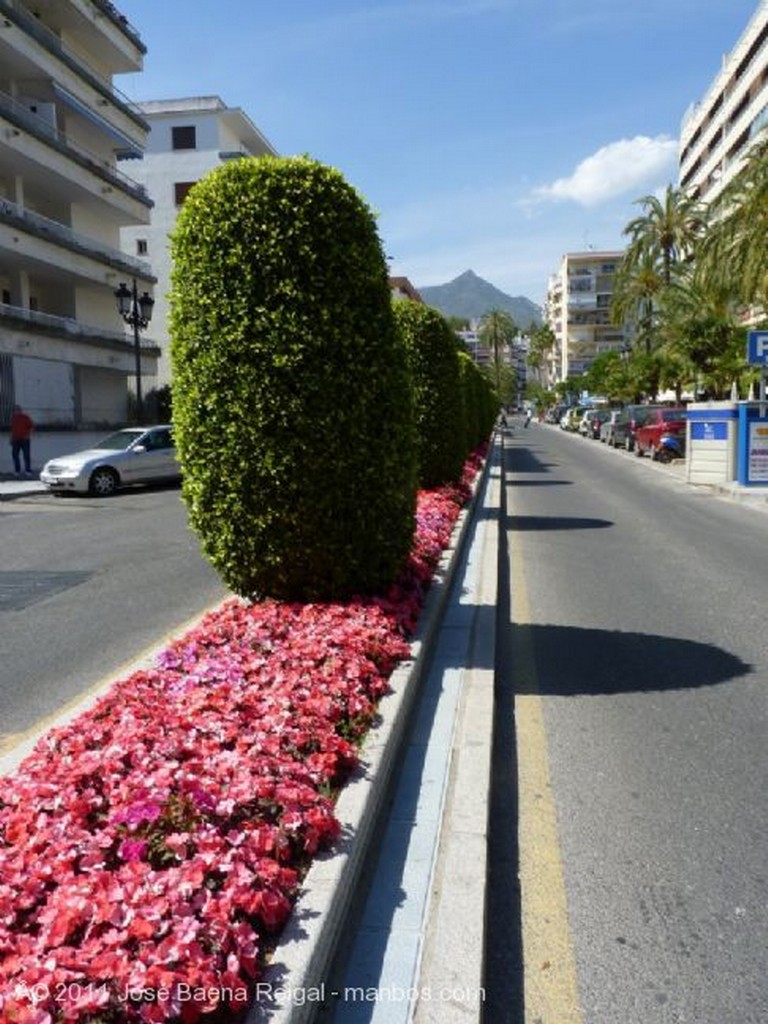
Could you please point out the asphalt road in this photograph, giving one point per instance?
(636, 656)
(86, 587)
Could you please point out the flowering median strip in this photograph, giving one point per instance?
(151, 850)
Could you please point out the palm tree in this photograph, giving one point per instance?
(542, 341)
(497, 330)
(667, 231)
(636, 290)
(733, 255)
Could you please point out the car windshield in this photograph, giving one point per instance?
(119, 441)
(673, 414)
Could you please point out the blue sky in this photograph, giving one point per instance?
(492, 135)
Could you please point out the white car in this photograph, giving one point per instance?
(136, 455)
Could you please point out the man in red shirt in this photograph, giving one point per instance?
(21, 433)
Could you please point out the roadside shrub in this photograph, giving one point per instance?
(291, 396)
(479, 402)
(433, 359)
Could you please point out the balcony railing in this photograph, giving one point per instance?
(23, 118)
(52, 230)
(48, 39)
(121, 21)
(74, 329)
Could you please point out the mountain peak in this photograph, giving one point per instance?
(470, 297)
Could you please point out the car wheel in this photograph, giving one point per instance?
(103, 482)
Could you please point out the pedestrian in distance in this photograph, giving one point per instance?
(21, 440)
(528, 416)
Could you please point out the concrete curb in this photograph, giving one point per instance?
(453, 958)
(290, 992)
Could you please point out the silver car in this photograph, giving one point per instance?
(136, 455)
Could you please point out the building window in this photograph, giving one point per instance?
(184, 137)
(141, 247)
(180, 190)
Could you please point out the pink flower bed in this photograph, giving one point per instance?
(151, 850)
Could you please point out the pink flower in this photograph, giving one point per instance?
(133, 849)
(150, 843)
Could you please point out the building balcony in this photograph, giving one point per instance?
(21, 118)
(37, 227)
(17, 16)
(32, 334)
(121, 22)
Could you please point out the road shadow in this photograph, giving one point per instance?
(525, 460)
(569, 661)
(538, 523)
(541, 483)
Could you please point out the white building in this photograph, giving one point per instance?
(578, 309)
(65, 354)
(189, 137)
(719, 130)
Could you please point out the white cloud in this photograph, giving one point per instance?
(615, 170)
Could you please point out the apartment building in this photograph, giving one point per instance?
(719, 130)
(578, 309)
(189, 137)
(65, 353)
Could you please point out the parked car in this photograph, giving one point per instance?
(572, 417)
(591, 422)
(636, 416)
(554, 414)
(613, 431)
(660, 421)
(136, 455)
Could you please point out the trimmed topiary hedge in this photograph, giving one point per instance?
(292, 404)
(433, 358)
(480, 404)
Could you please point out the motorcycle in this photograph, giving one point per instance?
(670, 447)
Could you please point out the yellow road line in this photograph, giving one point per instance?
(551, 986)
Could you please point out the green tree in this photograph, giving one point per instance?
(291, 396)
(667, 231)
(458, 323)
(542, 341)
(704, 341)
(612, 375)
(497, 330)
(731, 257)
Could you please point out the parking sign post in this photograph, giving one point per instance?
(757, 355)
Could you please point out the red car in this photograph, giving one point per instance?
(661, 420)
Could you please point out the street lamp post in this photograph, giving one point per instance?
(137, 312)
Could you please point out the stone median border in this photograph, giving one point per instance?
(304, 954)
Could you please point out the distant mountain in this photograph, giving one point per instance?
(470, 296)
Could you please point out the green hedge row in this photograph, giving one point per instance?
(307, 408)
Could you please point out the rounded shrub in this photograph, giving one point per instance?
(433, 359)
(292, 404)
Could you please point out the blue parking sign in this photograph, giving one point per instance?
(757, 348)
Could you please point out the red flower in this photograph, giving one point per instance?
(186, 800)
